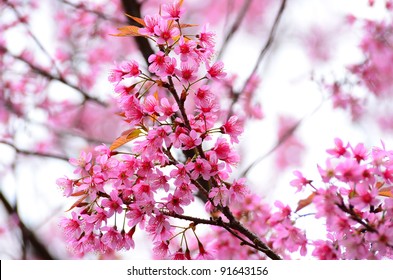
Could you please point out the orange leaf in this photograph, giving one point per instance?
(186, 25)
(125, 137)
(379, 185)
(129, 30)
(137, 19)
(386, 192)
(305, 202)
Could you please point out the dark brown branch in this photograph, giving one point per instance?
(190, 218)
(236, 225)
(233, 226)
(213, 222)
(355, 217)
(133, 8)
(27, 234)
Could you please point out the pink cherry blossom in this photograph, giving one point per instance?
(233, 127)
(66, 184)
(339, 150)
(190, 141)
(114, 203)
(300, 182)
(165, 32)
(186, 50)
(151, 21)
(157, 63)
(187, 72)
(216, 71)
(173, 10)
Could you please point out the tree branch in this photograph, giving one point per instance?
(31, 153)
(262, 54)
(232, 226)
(97, 13)
(280, 141)
(235, 26)
(27, 234)
(50, 76)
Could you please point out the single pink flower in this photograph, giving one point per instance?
(233, 127)
(157, 62)
(199, 167)
(165, 32)
(150, 23)
(173, 10)
(187, 72)
(114, 203)
(186, 50)
(300, 182)
(339, 150)
(216, 72)
(67, 185)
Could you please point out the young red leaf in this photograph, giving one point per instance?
(305, 202)
(79, 193)
(79, 203)
(125, 137)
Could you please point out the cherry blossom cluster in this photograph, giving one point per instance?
(375, 70)
(180, 147)
(356, 202)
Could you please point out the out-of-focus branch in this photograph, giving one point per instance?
(31, 34)
(269, 41)
(31, 153)
(280, 141)
(235, 26)
(50, 76)
(97, 13)
(27, 234)
(262, 53)
(133, 7)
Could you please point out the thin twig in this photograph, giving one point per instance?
(27, 234)
(262, 54)
(32, 35)
(97, 13)
(50, 76)
(235, 26)
(31, 153)
(269, 41)
(280, 141)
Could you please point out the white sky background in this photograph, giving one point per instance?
(285, 88)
